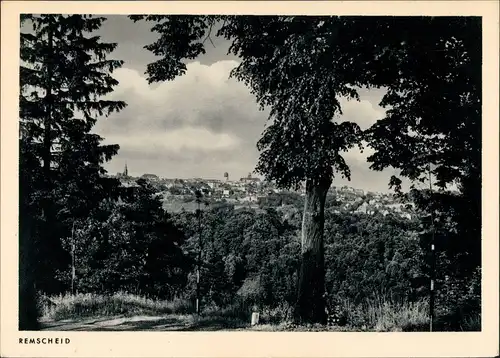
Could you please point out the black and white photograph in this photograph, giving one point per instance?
(250, 173)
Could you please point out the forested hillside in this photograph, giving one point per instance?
(250, 259)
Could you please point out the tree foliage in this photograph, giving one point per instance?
(433, 124)
(64, 73)
(132, 245)
(300, 67)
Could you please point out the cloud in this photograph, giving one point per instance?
(201, 121)
(176, 141)
(203, 97)
(365, 113)
(203, 124)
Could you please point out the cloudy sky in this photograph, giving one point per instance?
(201, 124)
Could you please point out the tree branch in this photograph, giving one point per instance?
(208, 36)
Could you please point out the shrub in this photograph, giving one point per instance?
(471, 323)
(458, 304)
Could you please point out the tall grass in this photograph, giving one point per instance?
(385, 315)
(403, 316)
(74, 307)
(379, 314)
(93, 305)
(471, 323)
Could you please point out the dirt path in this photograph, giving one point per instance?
(143, 323)
(173, 323)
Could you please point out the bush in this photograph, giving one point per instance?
(282, 314)
(458, 304)
(471, 323)
(237, 310)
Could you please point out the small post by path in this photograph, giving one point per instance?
(73, 270)
(255, 318)
(433, 260)
(200, 249)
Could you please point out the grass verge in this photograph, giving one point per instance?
(375, 315)
(93, 305)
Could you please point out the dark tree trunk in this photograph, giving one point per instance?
(28, 310)
(310, 306)
(47, 141)
(50, 255)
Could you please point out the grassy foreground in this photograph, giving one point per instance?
(123, 311)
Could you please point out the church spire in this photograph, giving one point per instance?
(125, 172)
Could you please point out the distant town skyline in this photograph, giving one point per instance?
(126, 172)
(222, 179)
(201, 124)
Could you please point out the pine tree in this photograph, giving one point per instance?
(63, 75)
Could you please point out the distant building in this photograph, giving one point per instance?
(365, 209)
(124, 174)
(248, 179)
(150, 177)
(129, 183)
(250, 198)
(213, 184)
(395, 207)
(346, 188)
(362, 209)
